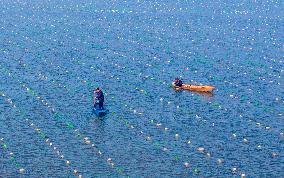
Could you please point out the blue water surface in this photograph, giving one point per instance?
(55, 53)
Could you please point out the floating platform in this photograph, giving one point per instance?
(100, 112)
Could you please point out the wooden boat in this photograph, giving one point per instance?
(194, 88)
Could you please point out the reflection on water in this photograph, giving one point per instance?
(207, 95)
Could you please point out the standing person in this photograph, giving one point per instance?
(99, 98)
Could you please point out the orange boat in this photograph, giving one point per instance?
(194, 88)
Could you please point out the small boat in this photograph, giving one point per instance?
(194, 88)
(99, 112)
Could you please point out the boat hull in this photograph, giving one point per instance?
(194, 88)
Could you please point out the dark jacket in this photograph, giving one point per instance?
(100, 96)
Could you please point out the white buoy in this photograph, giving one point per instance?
(177, 136)
(245, 141)
(219, 161)
(186, 164)
(87, 142)
(22, 170)
(67, 163)
(243, 175)
(274, 155)
(200, 149)
(234, 170)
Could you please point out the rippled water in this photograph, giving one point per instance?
(54, 53)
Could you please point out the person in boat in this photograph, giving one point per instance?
(99, 98)
(178, 82)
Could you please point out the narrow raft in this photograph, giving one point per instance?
(194, 88)
(99, 112)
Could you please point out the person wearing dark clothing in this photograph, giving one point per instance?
(178, 82)
(99, 98)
